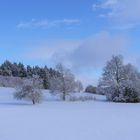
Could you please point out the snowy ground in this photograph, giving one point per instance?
(56, 120)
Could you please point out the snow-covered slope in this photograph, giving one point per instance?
(56, 120)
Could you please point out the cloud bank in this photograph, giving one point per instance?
(85, 57)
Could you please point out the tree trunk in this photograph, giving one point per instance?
(64, 97)
(33, 101)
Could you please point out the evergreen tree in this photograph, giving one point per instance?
(22, 70)
(29, 71)
(6, 68)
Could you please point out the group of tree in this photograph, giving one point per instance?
(8, 69)
(28, 81)
(63, 84)
(120, 82)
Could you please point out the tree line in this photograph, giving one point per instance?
(9, 69)
(29, 81)
(120, 82)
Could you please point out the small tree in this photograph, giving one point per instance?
(63, 83)
(31, 90)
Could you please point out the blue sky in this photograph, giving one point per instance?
(82, 34)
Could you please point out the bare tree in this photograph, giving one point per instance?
(30, 90)
(63, 83)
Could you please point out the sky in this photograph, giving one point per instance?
(81, 34)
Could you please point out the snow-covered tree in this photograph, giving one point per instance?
(22, 70)
(9, 69)
(6, 68)
(131, 88)
(112, 77)
(30, 90)
(120, 82)
(63, 83)
(29, 71)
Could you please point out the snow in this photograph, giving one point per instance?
(57, 120)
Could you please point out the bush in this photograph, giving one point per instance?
(131, 95)
(81, 98)
(90, 89)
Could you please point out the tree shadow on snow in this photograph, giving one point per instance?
(15, 104)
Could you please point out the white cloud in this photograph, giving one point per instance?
(85, 57)
(108, 4)
(126, 26)
(122, 12)
(48, 23)
(94, 51)
(53, 51)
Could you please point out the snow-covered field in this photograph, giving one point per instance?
(56, 120)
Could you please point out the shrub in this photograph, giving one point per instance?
(90, 89)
